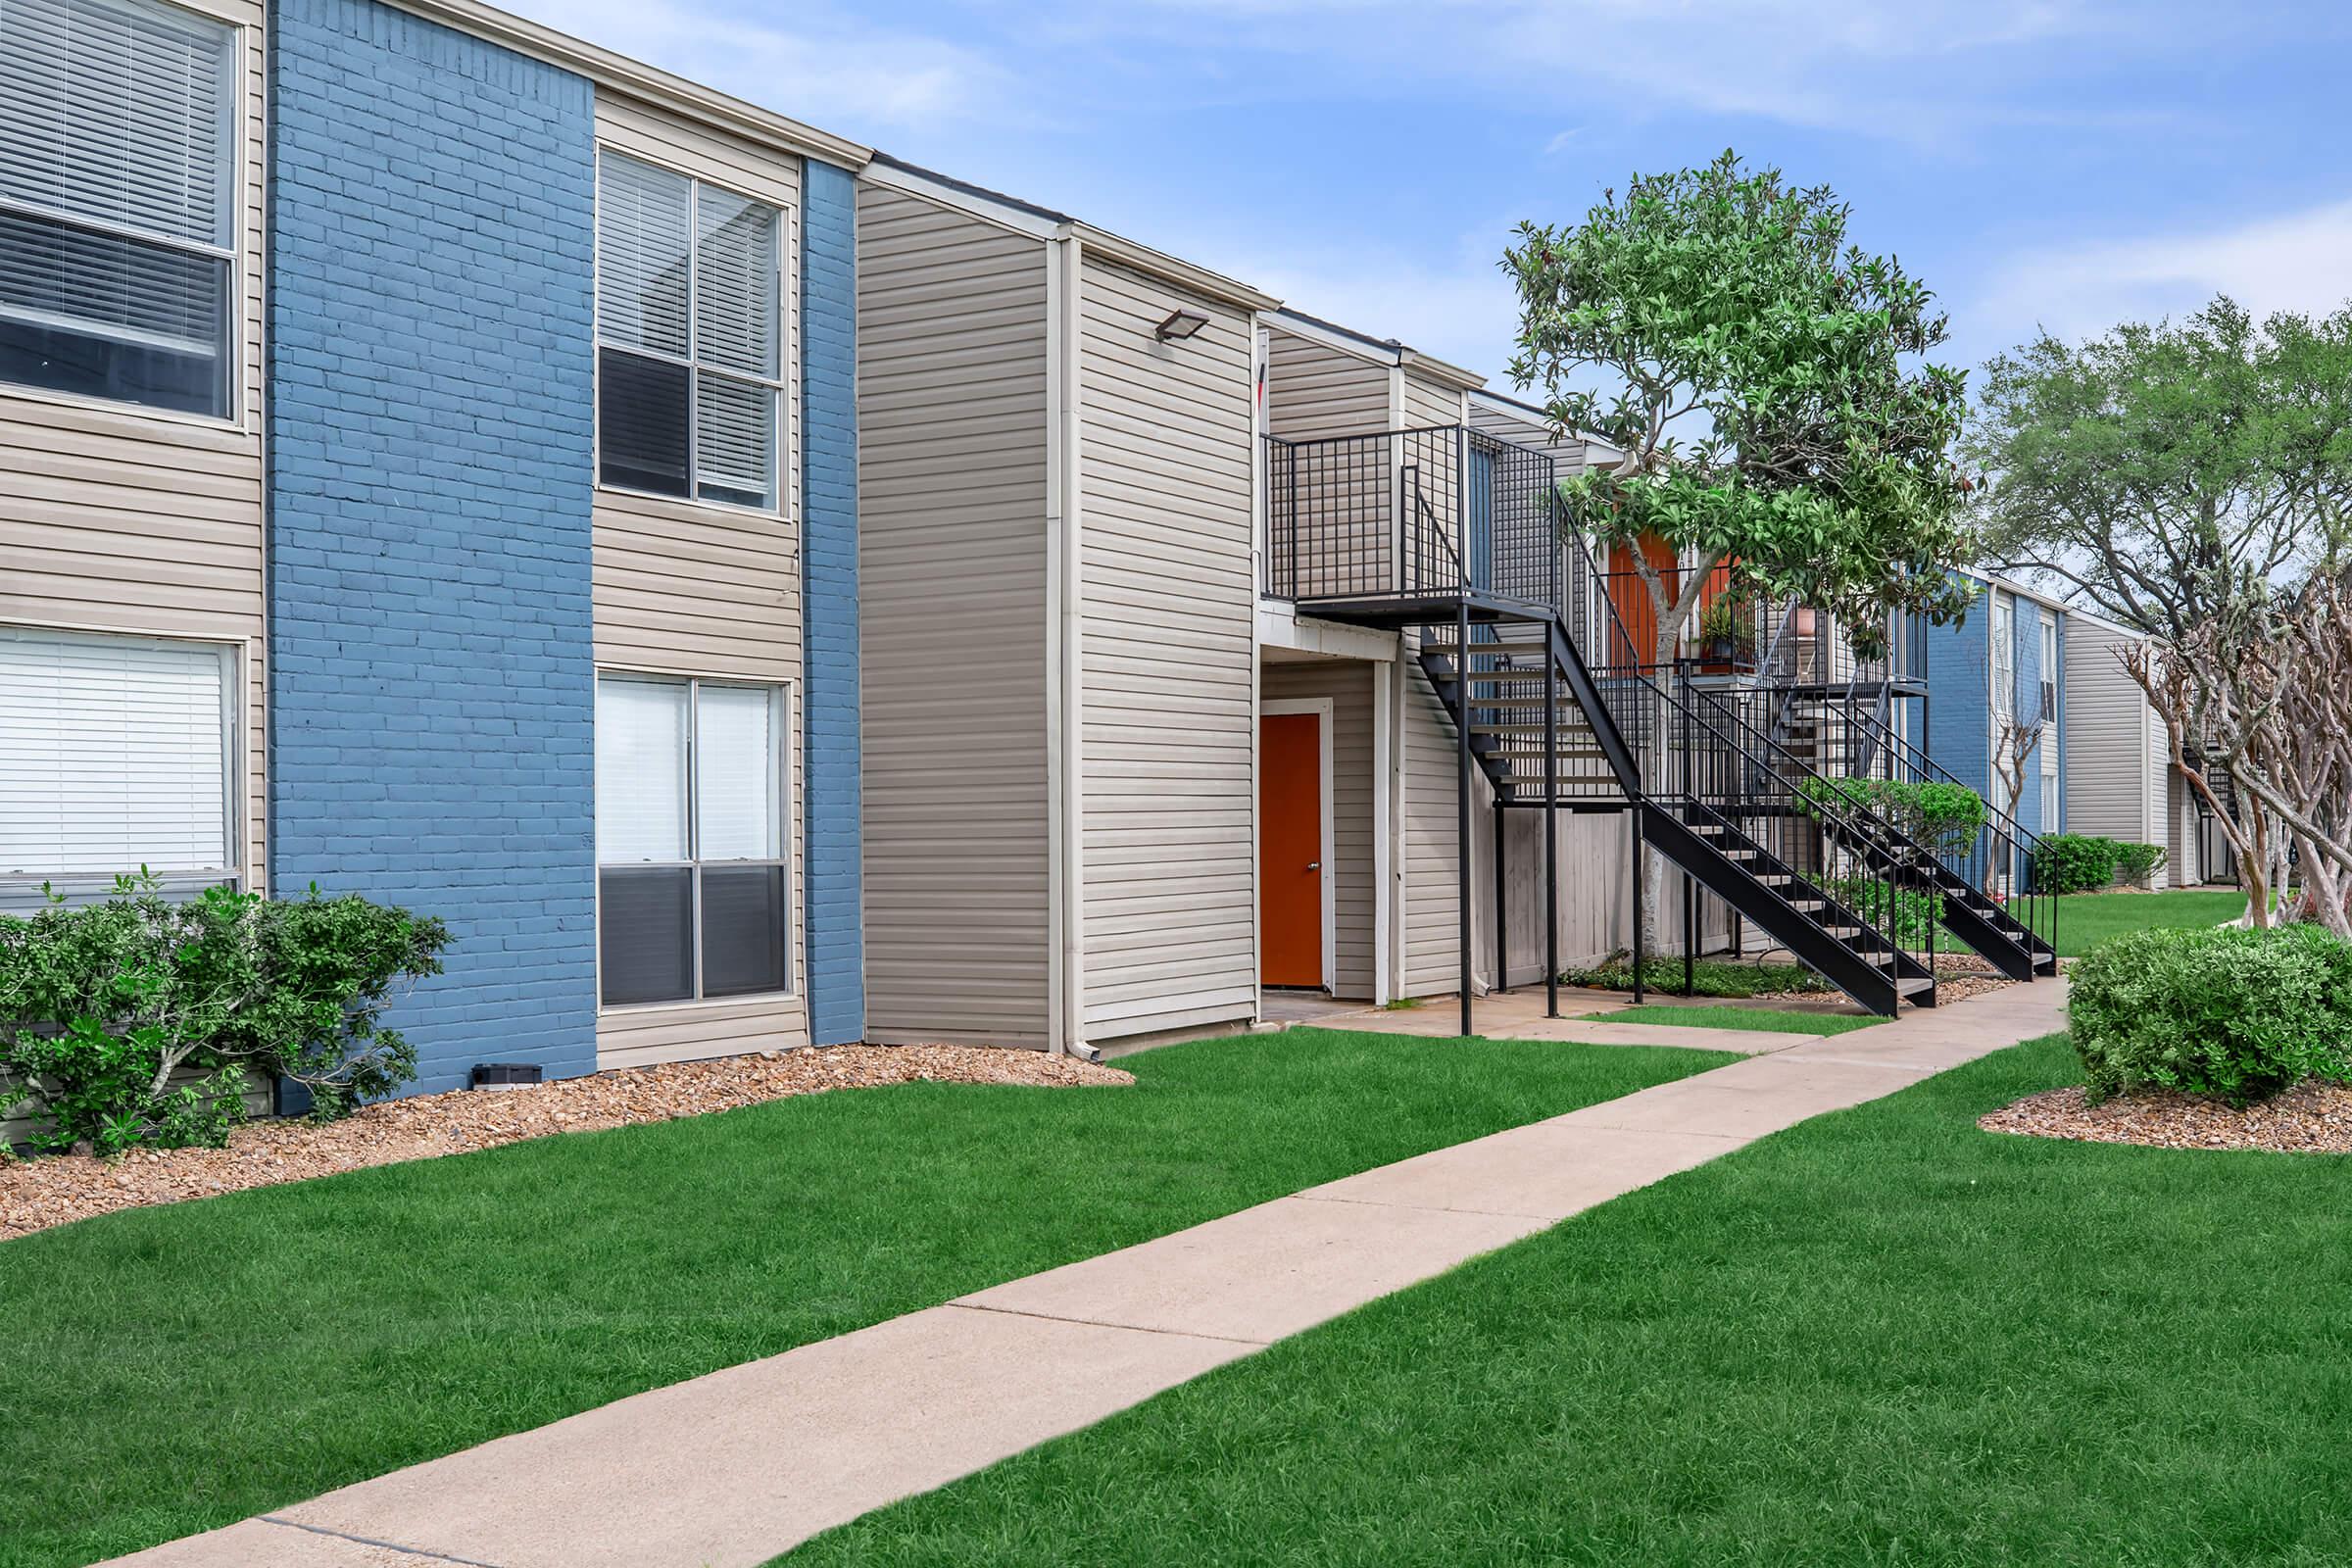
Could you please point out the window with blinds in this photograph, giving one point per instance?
(691, 842)
(118, 178)
(114, 753)
(688, 304)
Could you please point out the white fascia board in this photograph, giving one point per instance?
(1317, 333)
(1280, 626)
(1002, 213)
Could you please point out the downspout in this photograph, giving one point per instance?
(1065, 625)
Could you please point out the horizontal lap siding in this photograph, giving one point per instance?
(1349, 685)
(688, 588)
(114, 520)
(1432, 791)
(2106, 740)
(1315, 390)
(952, 474)
(1168, 723)
(1340, 493)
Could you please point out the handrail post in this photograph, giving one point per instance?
(1461, 731)
(1551, 832)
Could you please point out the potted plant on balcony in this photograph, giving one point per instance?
(1727, 634)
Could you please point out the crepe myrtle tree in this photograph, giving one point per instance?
(1767, 388)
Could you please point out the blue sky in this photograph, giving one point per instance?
(2055, 162)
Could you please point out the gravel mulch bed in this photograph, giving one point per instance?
(2311, 1119)
(36, 1194)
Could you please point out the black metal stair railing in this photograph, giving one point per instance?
(1414, 514)
(1997, 866)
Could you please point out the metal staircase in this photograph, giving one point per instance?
(1554, 706)
(1747, 820)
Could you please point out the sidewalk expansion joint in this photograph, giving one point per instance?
(370, 1540)
(1099, 1323)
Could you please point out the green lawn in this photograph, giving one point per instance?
(2087, 919)
(1788, 1023)
(1882, 1337)
(173, 1369)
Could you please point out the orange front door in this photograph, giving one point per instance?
(1290, 848)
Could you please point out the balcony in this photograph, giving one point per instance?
(1393, 526)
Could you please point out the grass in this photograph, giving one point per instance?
(170, 1370)
(1791, 1023)
(2087, 919)
(1882, 1337)
(1711, 977)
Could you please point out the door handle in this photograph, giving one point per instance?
(1314, 865)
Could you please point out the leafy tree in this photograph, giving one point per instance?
(2165, 474)
(2193, 481)
(1766, 388)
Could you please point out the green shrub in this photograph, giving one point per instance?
(1944, 817)
(2073, 862)
(1910, 918)
(1711, 977)
(103, 1007)
(2226, 1012)
(2134, 863)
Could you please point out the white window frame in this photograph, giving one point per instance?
(785, 695)
(780, 385)
(233, 336)
(2050, 678)
(18, 889)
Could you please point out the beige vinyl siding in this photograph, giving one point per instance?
(951, 473)
(1315, 390)
(1428, 403)
(693, 588)
(1168, 660)
(2107, 744)
(1528, 430)
(1348, 683)
(117, 520)
(1431, 911)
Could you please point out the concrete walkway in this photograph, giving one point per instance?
(734, 1468)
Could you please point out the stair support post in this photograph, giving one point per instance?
(1689, 886)
(1502, 914)
(1551, 829)
(1461, 835)
(1638, 903)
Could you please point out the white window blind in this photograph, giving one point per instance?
(118, 110)
(693, 881)
(737, 761)
(117, 183)
(114, 753)
(640, 771)
(690, 334)
(735, 275)
(642, 256)
(2004, 656)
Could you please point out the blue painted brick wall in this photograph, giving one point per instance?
(1959, 693)
(829, 482)
(430, 428)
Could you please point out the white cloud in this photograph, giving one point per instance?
(836, 70)
(1921, 74)
(2299, 261)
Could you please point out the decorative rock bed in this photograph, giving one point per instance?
(2312, 1118)
(36, 1194)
